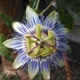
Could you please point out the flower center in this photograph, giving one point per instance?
(40, 43)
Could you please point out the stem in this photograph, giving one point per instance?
(67, 67)
(37, 5)
(46, 8)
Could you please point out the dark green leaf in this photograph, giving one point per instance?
(8, 21)
(65, 17)
(73, 8)
(74, 2)
(4, 50)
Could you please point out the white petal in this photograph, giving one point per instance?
(30, 13)
(60, 61)
(61, 31)
(33, 68)
(13, 43)
(46, 73)
(19, 61)
(19, 28)
(9, 43)
(51, 20)
(53, 15)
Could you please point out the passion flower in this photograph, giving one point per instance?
(40, 43)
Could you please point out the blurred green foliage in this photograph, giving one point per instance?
(4, 51)
(14, 77)
(33, 3)
(65, 17)
(8, 21)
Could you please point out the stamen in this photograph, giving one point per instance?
(46, 43)
(34, 48)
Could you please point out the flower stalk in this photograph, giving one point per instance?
(37, 5)
(67, 67)
(46, 8)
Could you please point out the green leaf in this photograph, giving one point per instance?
(73, 8)
(8, 21)
(4, 50)
(65, 17)
(73, 5)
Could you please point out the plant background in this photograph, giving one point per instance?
(66, 18)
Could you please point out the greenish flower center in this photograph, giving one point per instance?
(41, 43)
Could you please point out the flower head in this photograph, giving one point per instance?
(40, 43)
